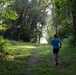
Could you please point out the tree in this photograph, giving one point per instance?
(74, 18)
(31, 19)
(65, 17)
(6, 13)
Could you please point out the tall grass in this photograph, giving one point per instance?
(15, 62)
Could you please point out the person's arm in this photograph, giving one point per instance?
(51, 42)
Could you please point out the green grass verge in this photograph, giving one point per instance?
(68, 57)
(15, 63)
(44, 65)
(19, 53)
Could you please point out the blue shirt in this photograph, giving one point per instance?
(55, 42)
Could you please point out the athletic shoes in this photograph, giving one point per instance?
(56, 63)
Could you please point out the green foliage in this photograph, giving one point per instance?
(68, 56)
(21, 53)
(6, 14)
(9, 14)
(16, 62)
(4, 26)
(29, 16)
(71, 41)
(5, 0)
(3, 44)
(45, 62)
(12, 67)
(3, 48)
(62, 18)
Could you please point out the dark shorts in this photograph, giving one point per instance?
(55, 50)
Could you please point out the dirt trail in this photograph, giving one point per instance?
(60, 65)
(31, 61)
(34, 58)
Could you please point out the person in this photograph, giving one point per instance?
(56, 45)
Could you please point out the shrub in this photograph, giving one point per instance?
(3, 46)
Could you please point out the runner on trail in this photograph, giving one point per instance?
(56, 45)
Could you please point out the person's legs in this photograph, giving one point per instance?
(56, 58)
(55, 51)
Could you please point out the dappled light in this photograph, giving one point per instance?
(26, 46)
(22, 47)
(29, 59)
(37, 37)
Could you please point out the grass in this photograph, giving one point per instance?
(68, 57)
(44, 65)
(11, 68)
(19, 53)
(15, 62)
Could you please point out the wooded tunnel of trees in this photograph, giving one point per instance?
(27, 19)
(26, 28)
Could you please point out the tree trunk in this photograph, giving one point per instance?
(18, 37)
(74, 20)
(74, 25)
